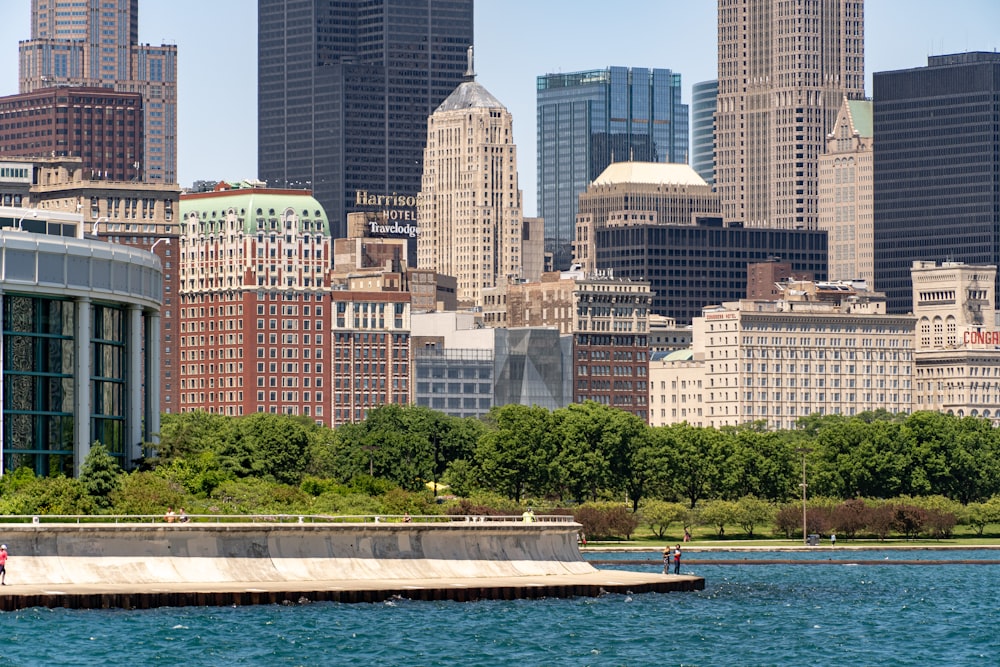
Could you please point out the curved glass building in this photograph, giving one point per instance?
(80, 344)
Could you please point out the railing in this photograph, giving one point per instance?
(272, 518)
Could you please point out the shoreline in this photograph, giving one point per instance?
(853, 546)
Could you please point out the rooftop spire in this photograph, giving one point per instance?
(470, 73)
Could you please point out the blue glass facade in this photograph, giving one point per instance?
(703, 96)
(586, 121)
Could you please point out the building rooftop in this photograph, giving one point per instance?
(861, 116)
(470, 95)
(650, 173)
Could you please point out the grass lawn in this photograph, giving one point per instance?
(736, 538)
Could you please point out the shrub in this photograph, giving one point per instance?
(146, 492)
(606, 520)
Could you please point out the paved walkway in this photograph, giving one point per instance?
(90, 596)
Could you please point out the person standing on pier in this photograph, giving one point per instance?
(666, 559)
(3, 564)
(677, 559)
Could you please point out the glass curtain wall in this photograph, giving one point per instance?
(38, 358)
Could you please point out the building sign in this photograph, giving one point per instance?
(981, 338)
(396, 215)
(721, 316)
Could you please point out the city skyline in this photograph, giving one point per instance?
(217, 88)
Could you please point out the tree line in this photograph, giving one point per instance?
(516, 454)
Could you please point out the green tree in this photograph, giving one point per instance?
(514, 456)
(148, 493)
(718, 513)
(660, 514)
(979, 515)
(100, 475)
(752, 512)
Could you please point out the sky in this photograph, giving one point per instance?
(516, 41)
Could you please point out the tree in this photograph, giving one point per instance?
(659, 514)
(718, 513)
(751, 512)
(515, 455)
(100, 475)
(980, 515)
(148, 493)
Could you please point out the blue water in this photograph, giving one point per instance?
(747, 615)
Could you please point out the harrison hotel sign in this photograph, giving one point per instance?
(396, 214)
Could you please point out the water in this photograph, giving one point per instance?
(832, 614)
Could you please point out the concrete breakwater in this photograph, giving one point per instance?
(134, 565)
(55, 554)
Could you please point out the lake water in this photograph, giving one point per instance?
(831, 614)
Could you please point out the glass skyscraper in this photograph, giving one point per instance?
(344, 91)
(586, 121)
(703, 128)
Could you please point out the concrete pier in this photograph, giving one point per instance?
(135, 565)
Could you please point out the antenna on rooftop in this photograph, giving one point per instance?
(470, 73)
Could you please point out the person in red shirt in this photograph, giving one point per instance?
(3, 564)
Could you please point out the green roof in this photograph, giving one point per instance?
(256, 209)
(861, 116)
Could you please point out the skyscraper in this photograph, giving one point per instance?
(784, 68)
(586, 121)
(937, 168)
(96, 43)
(470, 205)
(845, 193)
(344, 91)
(703, 97)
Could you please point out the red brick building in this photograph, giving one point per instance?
(371, 352)
(255, 312)
(101, 126)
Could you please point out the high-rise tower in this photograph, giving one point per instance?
(936, 191)
(703, 97)
(470, 205)
(95, 43)
(344, 91)
(586, 121)
(784, 68)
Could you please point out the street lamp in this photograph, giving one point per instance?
(158, 242)
(805, 533)
(97, 222)
(20, 223)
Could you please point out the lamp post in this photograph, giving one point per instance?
(805, 533)
(158, 242)
(97, 222)
(20, 223)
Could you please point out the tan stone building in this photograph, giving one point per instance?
(845, 194)
(784, 68)
(826, 348)
(639, 193)
(958, 341)
(675, 388)
(469, 210)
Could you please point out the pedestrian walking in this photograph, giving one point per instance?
(3, 564)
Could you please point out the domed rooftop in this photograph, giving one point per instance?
(649, 173)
